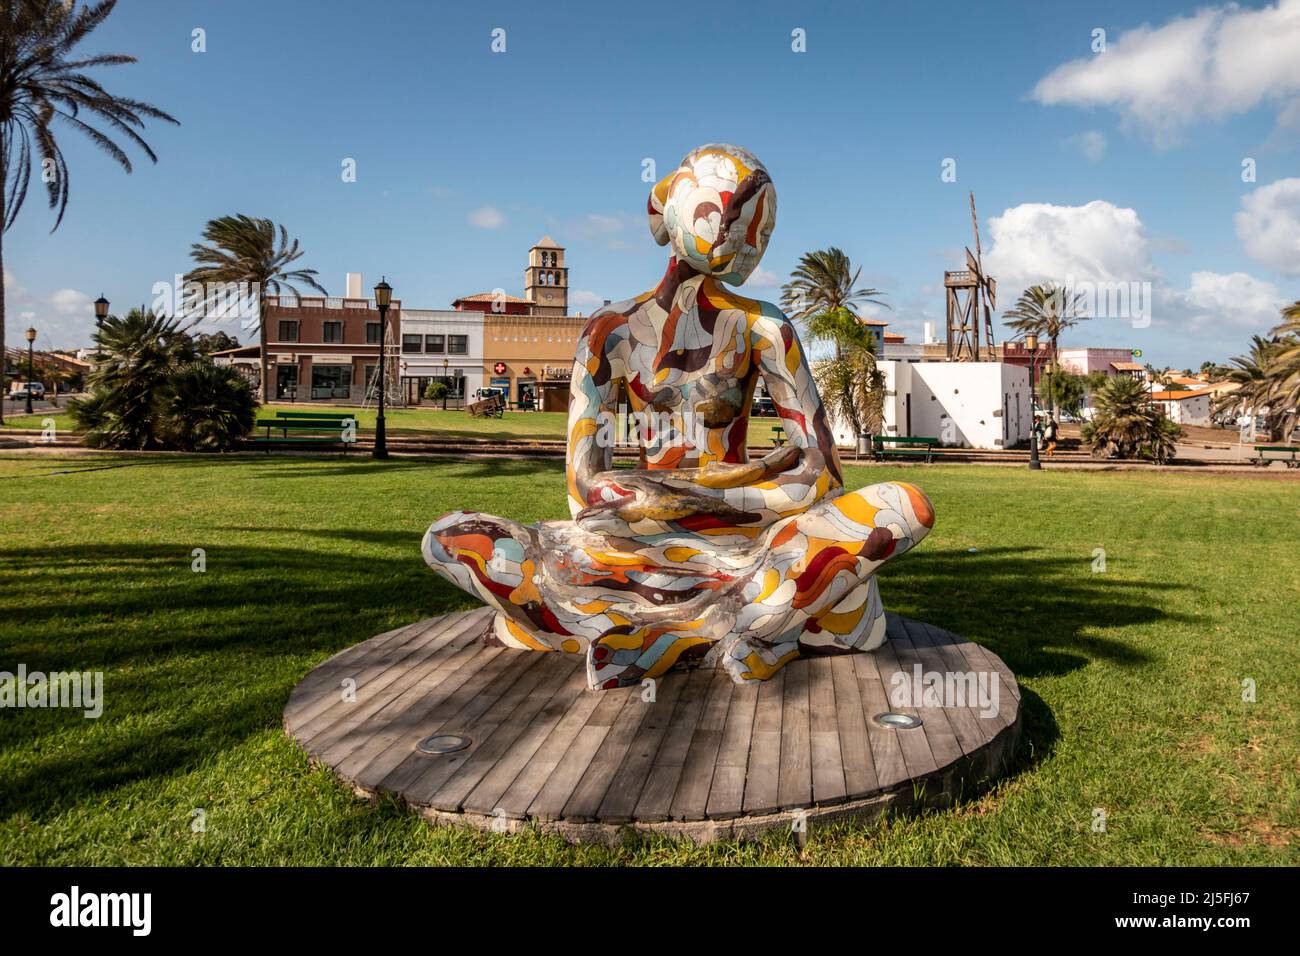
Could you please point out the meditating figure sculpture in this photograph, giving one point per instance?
(698, 552)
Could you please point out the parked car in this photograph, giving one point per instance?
(19, 390)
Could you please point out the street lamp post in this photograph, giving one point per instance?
(1031, 345)
(101, 313)
(31, 367)
(445, 386)
(383, 297)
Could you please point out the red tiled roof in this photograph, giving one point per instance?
(1178, 396)
(489, 297)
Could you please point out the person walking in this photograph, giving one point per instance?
(1049, 435)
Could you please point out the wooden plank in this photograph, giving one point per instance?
(371, 761)
(528, 783)
(656, 800)
(325, 673)
(371, 668)
(629, 778)
(934, 715)
(479, 724)
(824, 734)
(692, 797)
(851, 721)
(763, 772)
(385, 725)
(916, 750)
(727, 789)
(590, 790)
(466, 703)
(316, 734)
(559, 786)
(520, 708)
(795, 787)
(965, 721)
(886, 749)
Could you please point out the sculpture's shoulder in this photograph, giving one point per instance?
(608, 322)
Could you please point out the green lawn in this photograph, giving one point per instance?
(1132, 677)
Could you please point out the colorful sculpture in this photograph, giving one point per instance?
(699, 552)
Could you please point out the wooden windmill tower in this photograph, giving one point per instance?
(972, 297)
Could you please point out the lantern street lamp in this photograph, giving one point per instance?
(31, 368)
(101, 313)
(1031, 345)
(446, 384)
(383, 298)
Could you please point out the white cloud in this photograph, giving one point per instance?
(762, 278)
(1041, 243)
(585, 297)
(487, 217)
(1218, 62)
(1269, 225)
(601, 223)
(1235, 299)
(1091, 143)
(71, 302)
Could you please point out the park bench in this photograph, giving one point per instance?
(778, 435)
(904, 446)
(1262, 452)
(326, 428)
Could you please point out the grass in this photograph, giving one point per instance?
(422, 421)
(1132, 678)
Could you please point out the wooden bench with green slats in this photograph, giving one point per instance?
(335, 424)
(778, 435)
(904, 446)
(1262, 451)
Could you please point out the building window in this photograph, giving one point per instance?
(458, 344)
(435, 344)
(331, 381)
(288, 332)
(333, 332)
(372, 333)
(411, 343)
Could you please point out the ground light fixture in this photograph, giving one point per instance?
(440, 744)
(383, 298)
(897, 721)
(1031, 346)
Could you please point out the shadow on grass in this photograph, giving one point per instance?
(197, 663)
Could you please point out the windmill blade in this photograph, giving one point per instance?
(975, 225)
(972, 265)
(991, 285)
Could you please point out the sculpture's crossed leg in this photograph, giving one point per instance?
(753, 600)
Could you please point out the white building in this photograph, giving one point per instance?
(963, 404)
(1186, 408)
(442, 345)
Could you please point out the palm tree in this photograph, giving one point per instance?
(1257, 388)
(40, 82)
(1046, 311)
(242, 249)
(1126, 424)
(1285, 369)
(851, 384)
(824, 282)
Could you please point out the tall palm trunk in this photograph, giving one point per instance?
(3, 293)
(262, 337)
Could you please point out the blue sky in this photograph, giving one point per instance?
(1126, 166)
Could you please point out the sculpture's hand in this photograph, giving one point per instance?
(635, 496)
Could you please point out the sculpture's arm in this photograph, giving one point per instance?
(787, 481)
(593, 392)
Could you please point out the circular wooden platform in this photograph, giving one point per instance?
(704, 759)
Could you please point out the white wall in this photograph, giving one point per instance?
(445, 322)
(963, 404)
(1188, 411)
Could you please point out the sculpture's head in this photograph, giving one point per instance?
(718, 209)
